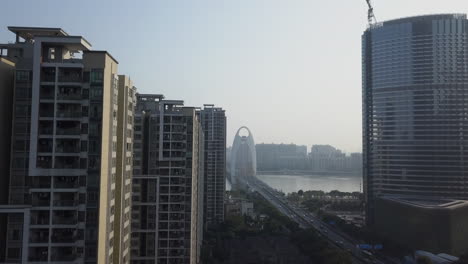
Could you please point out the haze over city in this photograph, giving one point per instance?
(282, 68)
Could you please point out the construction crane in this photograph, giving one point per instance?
(370, 13)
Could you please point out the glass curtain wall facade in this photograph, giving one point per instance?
(415, 108)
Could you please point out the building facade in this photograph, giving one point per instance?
(415, 119)
(167, 207)
(63, 153)
(213, 121)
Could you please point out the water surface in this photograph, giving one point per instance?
(294, 183)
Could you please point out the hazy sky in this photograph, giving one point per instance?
(290, 70)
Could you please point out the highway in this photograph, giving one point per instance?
(309, 220)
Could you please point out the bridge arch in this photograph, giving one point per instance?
(243, 156)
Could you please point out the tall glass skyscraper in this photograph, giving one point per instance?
(415, 108)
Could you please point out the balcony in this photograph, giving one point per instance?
(47, 92)
(63, 254)
(48, 74)
(66, 235)
(67, 162)
(39, 236)
(39, 182)
(64, 217)
(38, 254)
(39, 217)
(70, 75)
(44, 162)
(46, 110)
(40, 199)
(44, 145)
(46, 127)
(65, 199)
(67, 146)
(68, 128)
(177, 145)
(68, 182)
(178, 128)
(69, 110)
(69, 93)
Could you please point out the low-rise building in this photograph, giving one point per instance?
(239, 207)
(431, 225)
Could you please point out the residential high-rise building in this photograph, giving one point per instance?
(64, 151)
(213, 121)
(7, 76)
(167, 206)
(415, 118)
(124, 170)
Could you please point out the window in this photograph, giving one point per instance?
(95, 93)
(52, 53)
(22, 75)
(84, 128)
(85, 93)
(96, 76)
(84, 111)
(84, 145)
(13, 253)
(83, 163)
(86, 76)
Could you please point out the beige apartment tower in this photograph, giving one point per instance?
(67, 171)
(123, 188)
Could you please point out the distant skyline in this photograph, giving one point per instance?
(288, 70)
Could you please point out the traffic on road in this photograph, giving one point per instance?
(306, 219)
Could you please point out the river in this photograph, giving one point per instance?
(294, 183)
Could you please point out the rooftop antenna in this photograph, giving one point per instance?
(370, 13)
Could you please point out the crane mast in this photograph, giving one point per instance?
(370, 13)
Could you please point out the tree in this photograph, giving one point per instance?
(300, 192)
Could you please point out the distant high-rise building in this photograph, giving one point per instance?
(62, 184)
(271, 157)
(327, 158)
(415, 118)
(167, 206)
(213, 120)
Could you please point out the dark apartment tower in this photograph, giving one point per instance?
(167, 198)
(415, 109)
(213, 120)
(62, 189)
(7, 76)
